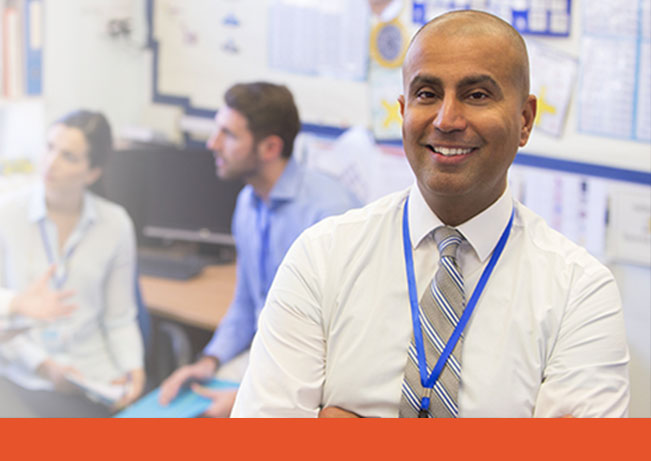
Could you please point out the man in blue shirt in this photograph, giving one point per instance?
(253, 140)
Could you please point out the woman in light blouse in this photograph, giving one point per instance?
(90, 241)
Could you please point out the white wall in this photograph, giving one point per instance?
(83, 67)
(635, 287)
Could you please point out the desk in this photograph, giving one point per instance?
(201, 301)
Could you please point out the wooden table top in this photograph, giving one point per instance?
(201, 301)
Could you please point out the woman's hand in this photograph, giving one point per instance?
(40, 302)
(135, 384)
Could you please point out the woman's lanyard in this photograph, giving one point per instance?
(61, 273)
(429, 382)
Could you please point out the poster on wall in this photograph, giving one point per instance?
(388, 45)
(643, 109)
(385, 85)
(553, 76)
(573, 204)
(614, 76)
(201, 40)
(319, 38)
(533, 17)
(630, 218)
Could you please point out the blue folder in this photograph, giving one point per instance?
(33, 57)
(186, 405)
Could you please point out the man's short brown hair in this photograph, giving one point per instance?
(269, 110)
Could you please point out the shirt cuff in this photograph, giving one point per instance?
(222, 351)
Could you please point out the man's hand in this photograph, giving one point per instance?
(38, 301)
(222, 401)
(336, 412)
(201, 370)
(56, 373)
(135, 380)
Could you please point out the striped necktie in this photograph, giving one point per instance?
(440, 309)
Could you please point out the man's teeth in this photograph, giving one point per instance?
(451, 151)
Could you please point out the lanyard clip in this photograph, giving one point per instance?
(424, 404)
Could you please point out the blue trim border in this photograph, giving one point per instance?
(588, 169)
(157, 96)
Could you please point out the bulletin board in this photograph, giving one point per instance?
(324, 51)
(341, 60)
(318, 49)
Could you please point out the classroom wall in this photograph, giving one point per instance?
(84, 67)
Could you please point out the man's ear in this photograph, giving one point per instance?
(93, 175)
(401, 101)
(529, 110)
(271, 147)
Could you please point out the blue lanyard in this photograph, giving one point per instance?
(429, 382)
(59, 280)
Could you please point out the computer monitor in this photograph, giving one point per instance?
(185, 200)
(173, 194)
(123, 182)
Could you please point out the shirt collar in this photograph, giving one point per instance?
(482, 231)
(38, 209)
(422, 220)
(287, 185)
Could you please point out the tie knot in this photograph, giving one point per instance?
(448, 240)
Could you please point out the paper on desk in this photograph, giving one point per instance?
(186, 405)
(98, 391)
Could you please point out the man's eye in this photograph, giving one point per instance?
(477, 95)
(425, 94)
(69, 156)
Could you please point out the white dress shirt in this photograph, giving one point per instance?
(546, 338)
(101, 338)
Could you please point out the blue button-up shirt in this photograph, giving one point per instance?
(263, 233)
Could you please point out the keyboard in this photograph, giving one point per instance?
(169, 267)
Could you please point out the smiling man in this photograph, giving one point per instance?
(450, 298)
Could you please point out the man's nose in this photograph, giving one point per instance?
(51, 159)
(450, 116)
(213, 142)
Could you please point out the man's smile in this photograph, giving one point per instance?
(450, 151)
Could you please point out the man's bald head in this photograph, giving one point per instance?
(471, 22)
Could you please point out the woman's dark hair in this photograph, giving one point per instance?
(96, 130)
